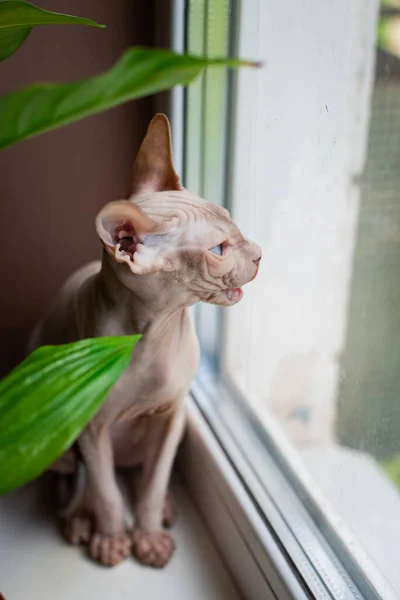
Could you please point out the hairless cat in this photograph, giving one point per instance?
(164, 250)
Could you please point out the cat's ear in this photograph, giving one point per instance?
(153, 169)
(123, 227)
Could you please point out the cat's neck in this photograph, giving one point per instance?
(138, 309)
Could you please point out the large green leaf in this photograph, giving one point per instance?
(140, 72)
(17, 19)
(49, 398)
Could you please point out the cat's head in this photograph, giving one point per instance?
(170, 242)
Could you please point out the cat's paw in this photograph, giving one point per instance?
(153, 549)
(169, 514)
(109, 550)
(77, 530)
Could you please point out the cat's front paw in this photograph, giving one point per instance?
(153, 549)
(109, 550)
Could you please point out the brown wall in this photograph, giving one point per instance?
(52, 186)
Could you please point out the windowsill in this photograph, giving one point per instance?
(35, 561)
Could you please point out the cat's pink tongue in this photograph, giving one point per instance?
(234, 294)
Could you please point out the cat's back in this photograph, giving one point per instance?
(60, 325)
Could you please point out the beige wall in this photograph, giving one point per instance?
(52, 186)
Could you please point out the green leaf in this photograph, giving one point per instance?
(11, 40)
(17, 19)
(140, 72)
(48, 399)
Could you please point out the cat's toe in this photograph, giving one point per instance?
(78, 529)
(109, 550)
(153, 549)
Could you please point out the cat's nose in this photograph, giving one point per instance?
(254, 252)
(256, 261)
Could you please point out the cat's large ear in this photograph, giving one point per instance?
(123, 227)
(153, 169)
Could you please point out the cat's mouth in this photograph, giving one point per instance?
(234, 294)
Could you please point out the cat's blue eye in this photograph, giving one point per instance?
(218, 250)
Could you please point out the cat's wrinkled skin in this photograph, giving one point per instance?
(164, 250)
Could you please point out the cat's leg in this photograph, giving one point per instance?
(72, 497)
(78, 529)
(169, 509)
(152, 545)
(110, 542)
(75, 505)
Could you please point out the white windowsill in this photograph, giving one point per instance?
(36, 563)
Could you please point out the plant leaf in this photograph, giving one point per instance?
(17, 19)
(140, 72)
(49, 398)
(11, 40)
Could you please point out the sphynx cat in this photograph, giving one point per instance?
(164, 250)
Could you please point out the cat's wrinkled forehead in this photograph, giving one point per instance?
(187, 217)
